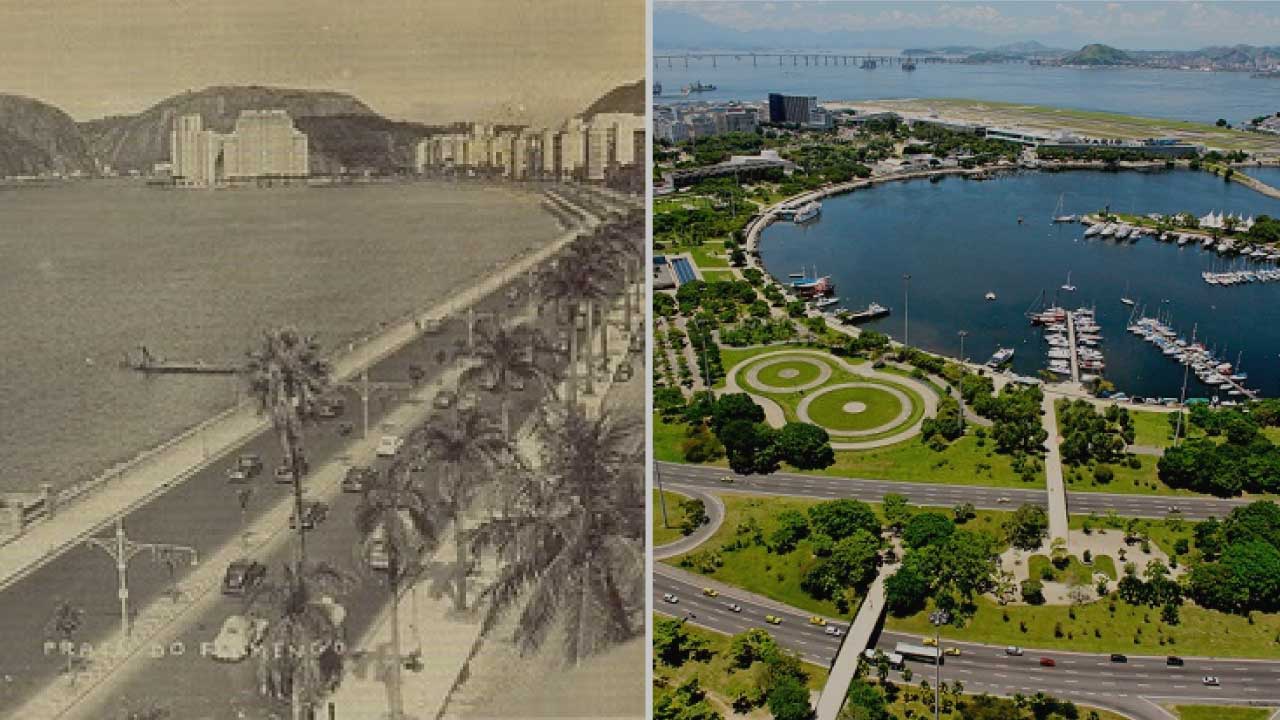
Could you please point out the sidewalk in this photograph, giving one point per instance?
(155, 471)
(1058, 525)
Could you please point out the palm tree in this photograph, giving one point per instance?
(287, 375)
(63, 625)
(469, 446)
(577, 544)
(299, 660)
(505, 360)
(574, 282)
(395, 525)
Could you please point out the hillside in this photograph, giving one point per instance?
(628, 98)
(1097, 55)
(137, 142)
(39, 138)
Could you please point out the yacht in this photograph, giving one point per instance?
(1000, 357)
(807, 212)
(826, 302)
(1067, 285)
(990, 296)
(1093, 229)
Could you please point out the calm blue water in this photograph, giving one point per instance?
(1196, 96)
(90, 270)
(1269, 175)
(959, 239)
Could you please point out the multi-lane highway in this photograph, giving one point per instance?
(1134, 688)
(991, 498)
(203, 512)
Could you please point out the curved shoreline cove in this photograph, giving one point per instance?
(94, 269)
(960, 239)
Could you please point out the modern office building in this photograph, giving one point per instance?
(263, 145)
(792, 109)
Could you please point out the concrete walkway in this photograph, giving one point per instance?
(1058, 524)
(856, 641)
(715, 518)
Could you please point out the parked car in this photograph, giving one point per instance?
(773, 619)
(356, 478)
(284, 471)
(817, 620)
(313, 513)
(1174, 661)
(250, 463)
(1013, 650)
(237, 475)
(389, 445)
(710, 592)
(238, 637)
(1047, 662)
(1118, 658)
(444, 400)
(668, 597)
(242, 576)
(734, 607)
(1211, 681)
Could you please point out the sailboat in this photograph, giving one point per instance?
(1125, 298)
(1057, 216)
(1067, 285)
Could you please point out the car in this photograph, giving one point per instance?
(237, 638)
(623, 373)
(953, 651)
(242, 576)
(330, 407)
(931, 642)
(816, 620)
(1211, 681)
(1002, 500)
(1048, 662)
(284, 471)
(710, 592)
(250, 463)
(668, 597)
(1118, 658)
(733, 607)
(237, 475)
(1174, 661)
(313, 513)
(773, 619)
(389, 445)
(1013, 650)
(834, 631)
(356, 478)
(444, 400)
(1174, 509)
(727, 479)
(468, 401)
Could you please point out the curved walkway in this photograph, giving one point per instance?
(802, 410)
(715, 518)
(775, 416)
(753, 374)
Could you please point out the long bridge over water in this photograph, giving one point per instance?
(798, 59)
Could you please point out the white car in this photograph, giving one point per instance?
(1211, 681)
(1002, 500)
(389, 445)
(238, 637)
(668, 597)
(734, 607)
(834, 631)
(1013, 650)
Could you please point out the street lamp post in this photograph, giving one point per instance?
(906, 308)
(938, 618)
(122, 550)
(662, 496)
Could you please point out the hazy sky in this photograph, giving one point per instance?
(427, 60)
(1133, 25)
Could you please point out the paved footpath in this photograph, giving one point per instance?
(857, 639)
(1058, 523)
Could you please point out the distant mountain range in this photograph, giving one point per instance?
(38, 138)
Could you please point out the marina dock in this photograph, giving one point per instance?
(1075, 352)
(152, 365)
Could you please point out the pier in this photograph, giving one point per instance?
(1075, 353)
(152, 365)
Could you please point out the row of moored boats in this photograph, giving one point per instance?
(1207, 366)
(1086, 351)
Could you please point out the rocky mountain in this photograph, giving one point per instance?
(138, 142)
(628, 98)
(1097, 54)
(38, 138)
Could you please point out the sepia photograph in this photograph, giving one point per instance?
(965, 360)
(324, 363)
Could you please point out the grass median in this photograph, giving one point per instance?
(670, 532)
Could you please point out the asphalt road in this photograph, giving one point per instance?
(990, 498)
(203, 512)
(1133, 687)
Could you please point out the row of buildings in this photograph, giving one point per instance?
(265, 146)
(597, 148)
(679, 123)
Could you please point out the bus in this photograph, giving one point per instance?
(919, 652)
(895, 660)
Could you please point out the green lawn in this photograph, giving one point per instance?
(730, 357)
(1143, 480)
(717, 675)
(707, 255)
(964, 462)
(910, 698)
(1164, 533)
(1200, 632)
(802, 373)
(1075, 571)
(663, 534)
(877, 408)
(714, 275)
(1153, 428)
(667, 438)
(1220, 712)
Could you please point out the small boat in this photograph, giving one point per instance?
(1125, 298)
(871, 312)
(1067, 285)
(795, 275)
(826, 302)
(1000, 357)
(990, 296)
